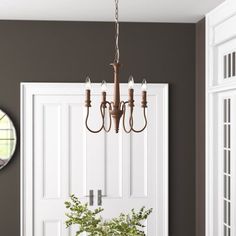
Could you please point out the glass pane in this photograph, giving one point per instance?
(7, 139)
(225, 187)
(229, 171)
(229, 190)
(225, 112)
(225, 67)
(225, 161)
(225, 212)
(225, 136)
(234, 64)
(229, 65)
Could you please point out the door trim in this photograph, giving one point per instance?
(28, 92)
(218, 33)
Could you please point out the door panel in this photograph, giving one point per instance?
(130, 169)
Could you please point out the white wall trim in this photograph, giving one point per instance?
(28, 92)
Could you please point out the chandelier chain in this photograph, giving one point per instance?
(117, 50)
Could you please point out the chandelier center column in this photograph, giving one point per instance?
(116, 111)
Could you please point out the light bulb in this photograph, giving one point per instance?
(131, 82)
(104, 86)
(87, 83)
(144, 85)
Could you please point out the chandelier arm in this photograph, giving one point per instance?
(109, 128)
(124, 111)
(145, 120)
(131, 120)
(86, 121)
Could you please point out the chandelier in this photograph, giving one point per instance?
(117, 109)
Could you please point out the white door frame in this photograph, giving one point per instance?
(220, 29)
(28, 92)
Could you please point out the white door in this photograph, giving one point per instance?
(60, 157)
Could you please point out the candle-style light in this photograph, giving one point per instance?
(117, 108)
(131, 82)
(104, 92)
(88, 92)
(87, 83)
(144, 93)
(104, 86)
(131, 91)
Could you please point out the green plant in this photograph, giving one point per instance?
(90, 222)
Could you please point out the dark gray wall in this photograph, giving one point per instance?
(67, 52)
(200, 128)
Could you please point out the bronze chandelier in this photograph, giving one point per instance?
(117, 109)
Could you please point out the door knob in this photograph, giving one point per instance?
(91, 196)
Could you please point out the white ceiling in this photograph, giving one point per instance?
(103, 10)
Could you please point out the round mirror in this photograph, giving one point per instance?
(7, 139)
